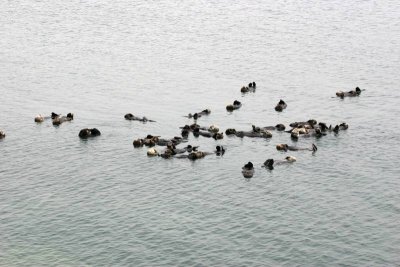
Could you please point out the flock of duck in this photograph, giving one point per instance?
(310, 128)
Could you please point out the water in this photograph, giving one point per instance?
(100, 202)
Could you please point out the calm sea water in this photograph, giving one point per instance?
(100, 202)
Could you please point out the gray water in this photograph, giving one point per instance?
(100, 202)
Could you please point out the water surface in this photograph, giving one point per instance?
(100, 202)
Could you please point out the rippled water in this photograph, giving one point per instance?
(100, 202)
